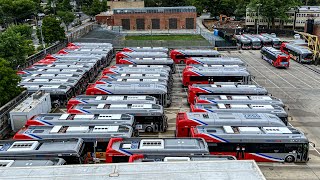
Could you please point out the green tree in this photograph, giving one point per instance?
(25, 30)
(51, 30)
(66, 17)
(272, 9)
(64, 5)
(93, 9)
(17, 10)
(8, 82)
(14, 47)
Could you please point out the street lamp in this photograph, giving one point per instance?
(41, 15)
(258, 5)
(53, 5)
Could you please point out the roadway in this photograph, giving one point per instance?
(298, 87)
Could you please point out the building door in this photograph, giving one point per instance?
(125, 23)
(140, 24)
(173, 23)
(155, 23)
(189, 23)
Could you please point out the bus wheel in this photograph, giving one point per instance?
(149, 129)
(289, 159)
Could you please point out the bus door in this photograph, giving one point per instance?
(302, 152)
(240, 151)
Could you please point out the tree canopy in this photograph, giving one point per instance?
(95, 7)
(17, 10)
(66, 17)
(8, 82)
(51, 30)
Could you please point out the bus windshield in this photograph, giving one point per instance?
(276, 42)
(307, 56)
(256, 43)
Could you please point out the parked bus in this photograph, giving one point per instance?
(210, 75)
(124, 55)
(255, 42)
(265, 41)
(77, 57)
(71, 150)
(136, 71)
(148, 117)
(223, 89)
(59, 94)
(145, 49)
(186, 120)
(276, 42)
(275, 57)
(262, 144)
(181, 55)
(120, 149)
(297, 53)
(95, 137)
(105, 99)
(136, 158)
(53, 76)
(158, 91)
(215, 61)
(135, 76)
(148, 62)
(238, 99)
(241, 108)
(134, 66)
(53, 119)
(243, 42)
(29, 162)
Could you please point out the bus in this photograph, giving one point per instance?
(53, 119)
(145, 49)
(297, 53)
(223, 89)
(186, 120)
(148, 117)
(259, 143)
(71, 150)
(148, 62)
(255, 42)
(210, 75)
(99, 99)
(136, 158)
(139, 76)
(133, 66)
(181, 55)
(95, 137)
(66, 57)
(59, 94)
(275, 57)
(241, 108)
(238, 99)
(135, 81)
(243, 42)
(29, 162)
(120, 149)
(276, 42)
(94, 63)
(265, 41)
(158, 91)
(136, 71)
(215, 61)
(53, 76)
(124, 55)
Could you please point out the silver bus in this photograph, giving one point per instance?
(215, 61)
(148, 61)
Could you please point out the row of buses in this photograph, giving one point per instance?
(237, 118)
(68, 72)
(229, 117)
(257, 41)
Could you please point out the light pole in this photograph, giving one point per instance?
(40, 15)
(53, 5)
(258, 5)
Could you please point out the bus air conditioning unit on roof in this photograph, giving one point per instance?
(152, 144)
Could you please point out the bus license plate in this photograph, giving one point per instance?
(138, 126)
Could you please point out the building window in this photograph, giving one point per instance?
(173, 23)
(125, 23)
(140, 24)
(189, 23)
(155, 23)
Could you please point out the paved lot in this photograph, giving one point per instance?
(298, 87)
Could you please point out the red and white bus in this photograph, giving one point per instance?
(262, 144)
(187, 120)
(120, 149)
(223, 89)
(209, 75)
(297, 53)
(145, 49)
(122, 55)
(181, 55)
(215, 61)
(275, 57)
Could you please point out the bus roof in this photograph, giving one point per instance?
(129, 89)
(251, 37)
(216, 72)
(191, 52)
(298, 49)
(229, 89)
(251, 134)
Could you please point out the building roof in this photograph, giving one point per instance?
(202, 170)
(155, 10)
(309, 9)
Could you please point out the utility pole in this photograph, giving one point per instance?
(40, 15)
(258, 5)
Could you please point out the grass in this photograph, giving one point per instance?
(166, 37)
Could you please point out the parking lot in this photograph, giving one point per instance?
(298, 87)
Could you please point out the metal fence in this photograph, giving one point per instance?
(5, 113)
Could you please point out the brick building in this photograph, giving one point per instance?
(157, 18)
